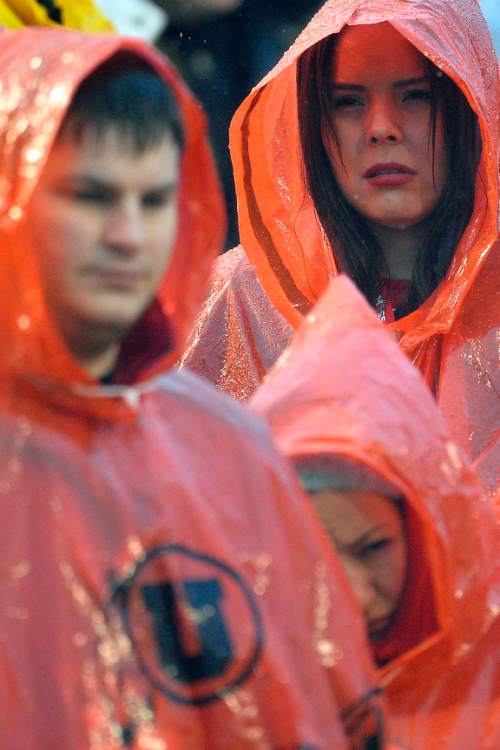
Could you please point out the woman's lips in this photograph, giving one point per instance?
(389, 175)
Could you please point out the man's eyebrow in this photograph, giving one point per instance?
(97, 183)
(397, 84)
(87, 181)
(164, 187)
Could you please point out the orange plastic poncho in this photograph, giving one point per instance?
(343, 389)
(260, 294)
(162, 583)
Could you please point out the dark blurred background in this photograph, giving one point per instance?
(223, 48)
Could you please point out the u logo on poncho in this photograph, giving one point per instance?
(194, 623)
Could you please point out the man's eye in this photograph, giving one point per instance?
(157, 200)
(154, 201)
(85, 196)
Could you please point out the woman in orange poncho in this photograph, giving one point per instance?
(152, 540)
(371, 148)
(357, 420)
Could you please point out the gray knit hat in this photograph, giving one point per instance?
(339, 473)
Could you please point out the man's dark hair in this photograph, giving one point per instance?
(357, 252)
(127, 95)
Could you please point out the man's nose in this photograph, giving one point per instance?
(382, 123)
(125, 230)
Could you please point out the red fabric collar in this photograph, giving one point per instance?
(392, 294)
(149, 339)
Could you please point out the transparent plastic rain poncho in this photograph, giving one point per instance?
(163, 585)
(343, 392)
(261, 292)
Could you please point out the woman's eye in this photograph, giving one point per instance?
(345, 102)
(374, 547)
(417, 95)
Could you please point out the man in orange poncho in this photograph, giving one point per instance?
(418, 539)
(163, 585)
(394, 181)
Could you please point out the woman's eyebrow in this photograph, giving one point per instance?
(411, 81)
(365, 538)
(348, 86)
(397, 84)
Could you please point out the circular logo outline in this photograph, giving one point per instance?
(124, 588)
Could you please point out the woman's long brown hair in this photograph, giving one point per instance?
(357, 252)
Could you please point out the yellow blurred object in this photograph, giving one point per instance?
(74, 14)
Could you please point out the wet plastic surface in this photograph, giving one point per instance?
(343, 390)
(258, 299)
(163, 584)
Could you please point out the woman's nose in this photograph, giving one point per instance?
(360, 580)
(382, 123)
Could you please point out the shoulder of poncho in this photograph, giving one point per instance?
(232, 274)
(232, 266)
(196, 393)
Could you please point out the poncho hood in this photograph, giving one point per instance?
(40, 71)
(278, 225)
(343, 389)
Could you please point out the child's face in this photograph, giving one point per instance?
(368, 533)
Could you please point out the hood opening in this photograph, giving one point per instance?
(415, 619)
(356, 248)
(33, 347)
(279, 226)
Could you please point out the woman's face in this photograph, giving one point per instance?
(368, 533)
(382, 150)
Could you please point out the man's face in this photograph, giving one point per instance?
(103, 220)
